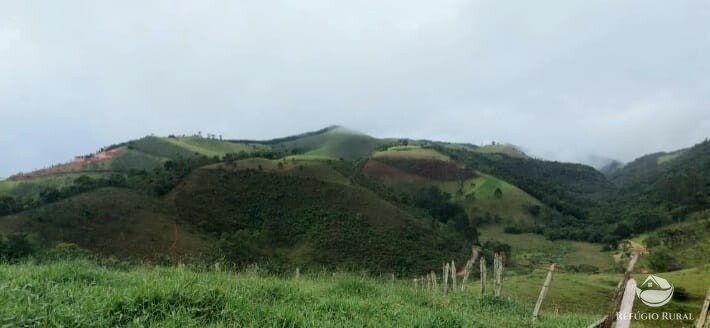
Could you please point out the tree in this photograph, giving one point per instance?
(534, 210)
(622, 230)
(16, 246)
(49, 195)
(661, 260)
(437, 203)
(8, 205)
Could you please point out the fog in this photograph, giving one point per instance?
(564, 80)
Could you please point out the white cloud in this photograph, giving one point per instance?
(563, 79)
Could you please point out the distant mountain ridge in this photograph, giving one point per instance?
(312, 199)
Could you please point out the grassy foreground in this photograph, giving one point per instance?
(79, 293)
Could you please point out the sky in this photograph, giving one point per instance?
(564, 80)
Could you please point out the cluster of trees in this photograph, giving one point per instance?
(439, 206)
(163, 179)
(564, 187)
(386, 146)
(209, 136)
(230, 158)
(155, 182)
(10, 204)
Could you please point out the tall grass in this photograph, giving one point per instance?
(79, 293)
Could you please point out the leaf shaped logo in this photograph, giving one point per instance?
(655, 291)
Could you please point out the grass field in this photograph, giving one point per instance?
(694, 251)
(475, 194)
(575, 292)
(411, 152)
(479, 196)
(132, 159)
(535, 251)
(81, 294)
(32, 187)
(501, 149)
(212, 147)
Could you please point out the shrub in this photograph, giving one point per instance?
(64, 251)
(652, 241)
(661, 259)
(15, 246)
(585, 268)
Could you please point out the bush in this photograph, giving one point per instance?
(513, 230)
(652, 241)
(585, 268)
(680, 294)
(64, 251)
(661, 259)
(15, 246)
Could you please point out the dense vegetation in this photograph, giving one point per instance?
(649, 193)
(284, 220)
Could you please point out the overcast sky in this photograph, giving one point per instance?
(562, 79)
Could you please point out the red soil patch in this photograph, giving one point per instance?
(427, 168)
(382, 170)
(79, 163)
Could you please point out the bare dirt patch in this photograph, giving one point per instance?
(427, 168)
(79, 163)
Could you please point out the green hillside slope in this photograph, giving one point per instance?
(290, 220)
(339, 198)
(109, 221)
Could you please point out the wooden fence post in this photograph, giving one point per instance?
(453, 276)
(475, 251)
(704, 312)
(483, 275)
(445, 277)
(543, 292)
(619, 293)
(466, 273)
(435, 284)
(498, 275)
(627, 304)
(298, 273)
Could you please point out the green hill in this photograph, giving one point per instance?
(300, 213)
(344, 208)
(336, 142)
(109, 221)
(339, 198)
(408, 169)
(296, 220)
